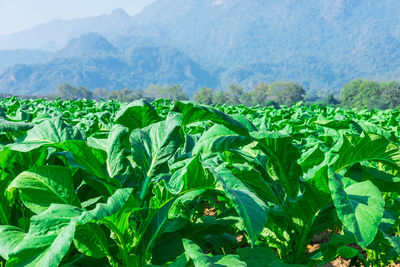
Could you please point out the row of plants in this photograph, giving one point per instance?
(181, 184)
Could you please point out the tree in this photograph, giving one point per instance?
(330, 100)
(175, 92)
(371, 94)
(83, 92)
(126, 95)
(100, 93)
(219, 97)
(286, 93)
(259, 94)
(66, 91)
(204, 96)
(234, 94)
(390, 93)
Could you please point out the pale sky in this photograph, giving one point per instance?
(17, 15)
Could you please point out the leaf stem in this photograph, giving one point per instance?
(145, 187)
(123, 247)
(302, 239)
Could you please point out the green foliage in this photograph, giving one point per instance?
(370, 94)
(182, 184)
(125, 95)
(204, 96)
(286, 93)
(66, 91)
(167, 92)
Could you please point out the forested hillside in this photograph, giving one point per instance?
(319, 44)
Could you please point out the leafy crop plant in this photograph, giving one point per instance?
(88, 183)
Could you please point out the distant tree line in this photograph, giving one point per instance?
(175, 92)
(355, 94)
(371, 94)
(277, 93)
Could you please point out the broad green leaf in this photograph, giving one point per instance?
(44, 185)
(195, 253)
(253, 179)
(191, 175)
(359, 206)
(49, 237)
(118, 152)
(156, 144)
(334, 124)
(372, 128)
(261, 257)
(90, 240)
(87, 158)
(311, 158)
(10, 126)
(52, 231)
(137, 114)
(193, 113)
(251, 209)
(113, 204)
(48, 132)
(283, 160)
(10, 237)
(218, 139)
(16, 162)
(355, 149)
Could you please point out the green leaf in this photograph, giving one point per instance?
(195, 253)
(10, 126)
(359, 206)
(261, 257)
(156, 144)
(218, 139)
(48, 132)
(251, 209)
(118, 164)
(113, 204)
(191, 175)
(283, 159)
(355, 149)
(49, 237)
(90, 240)
(44, 185)
(52, 231)
(86, 158)
(10, 237)
(253, 179)
(311, 158)
(193, 112)
(137, 114)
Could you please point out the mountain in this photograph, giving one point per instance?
(87, 45)
(337, 40)
(321, 44)
(92, 61)
(55, 34)
(9, 58)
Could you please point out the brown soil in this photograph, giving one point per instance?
(321, 237)
(312, 248)
(209, 211)
(339, 262)
(239, 238)
(324, 237)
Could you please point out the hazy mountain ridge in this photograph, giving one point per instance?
(93, 61)
(319, 43)
(55, 34)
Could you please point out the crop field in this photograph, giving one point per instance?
(86, 183)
